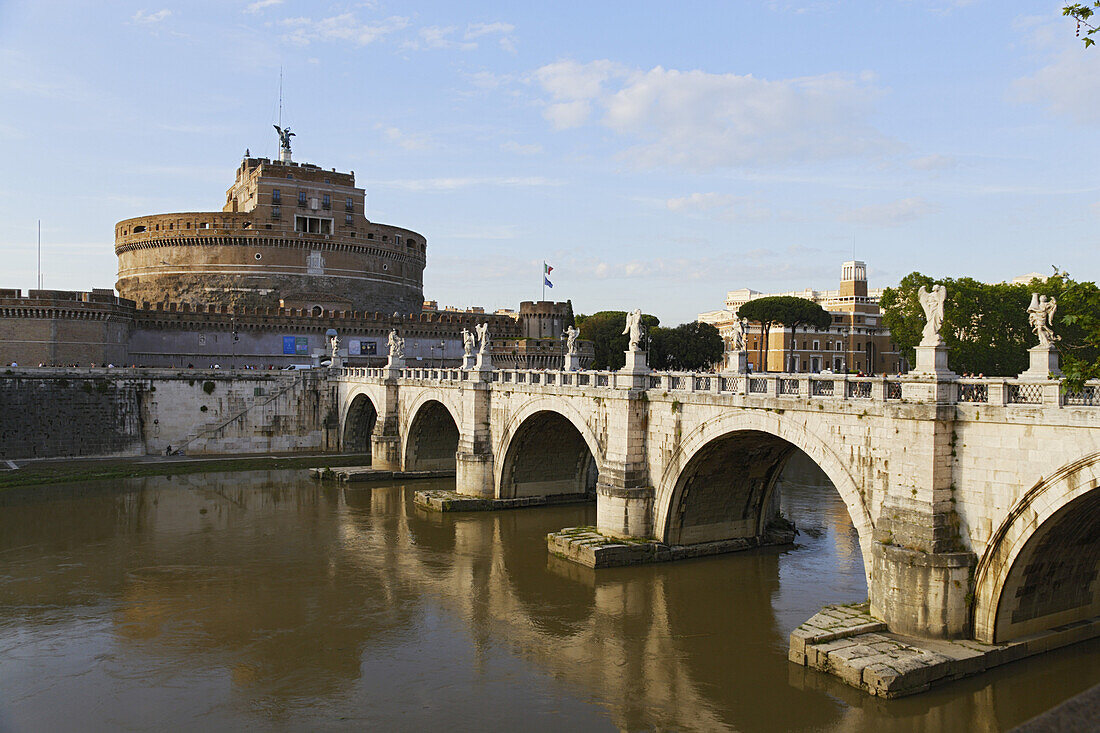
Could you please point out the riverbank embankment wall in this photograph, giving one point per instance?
(55, 413)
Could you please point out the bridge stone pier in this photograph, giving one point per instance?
(975, 500)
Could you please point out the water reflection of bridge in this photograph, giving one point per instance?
(304, 594)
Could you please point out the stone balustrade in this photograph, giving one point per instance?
(997, 391)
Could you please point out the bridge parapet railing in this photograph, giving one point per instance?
(1008, 392)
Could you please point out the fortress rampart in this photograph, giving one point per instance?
(229, 257)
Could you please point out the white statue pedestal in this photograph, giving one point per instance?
(468, 362)
(393, 367)
(737, 361)
(1043, 365)
(635, 363)
(932, 362)
(484, 362)
(635, 373)
(572, 363)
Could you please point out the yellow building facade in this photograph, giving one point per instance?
(857, 341)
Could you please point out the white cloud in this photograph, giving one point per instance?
(1068, 86)
(722, 205)
(934, 162)
(701, 121)
(520, 149)
(450, 184)
(441, 37)
(773, 264)
(344, 27)
(564, 115)
(143, 16)
(571, 80)
(407, 141)
(476, 30)
(891, 213)
(261, 4)
(447, 37)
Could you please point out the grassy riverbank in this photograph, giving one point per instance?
(77, 470)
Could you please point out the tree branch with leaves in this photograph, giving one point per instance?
(1083, 13)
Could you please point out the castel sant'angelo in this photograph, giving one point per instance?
(290, 255)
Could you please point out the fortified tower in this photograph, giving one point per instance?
(290, 235)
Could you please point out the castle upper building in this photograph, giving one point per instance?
(291, 235)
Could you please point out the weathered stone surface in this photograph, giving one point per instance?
(124, 412)
(893, 665)
(449, 501)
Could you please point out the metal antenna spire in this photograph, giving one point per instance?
(39, 254)
(280, 96)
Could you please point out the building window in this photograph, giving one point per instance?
(302, 198)
(326, 202)
(276, 212)
(276, 196)
(312, 225)
(349, 204)
(347, 219)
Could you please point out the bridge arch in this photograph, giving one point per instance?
(1041, 568)
(748, 449)
(358, 419)
(547, 448)
(430, 433)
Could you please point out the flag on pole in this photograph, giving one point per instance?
(546, 270)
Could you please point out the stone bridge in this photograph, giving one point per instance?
(974, 499)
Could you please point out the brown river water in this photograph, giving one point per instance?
(262, 601)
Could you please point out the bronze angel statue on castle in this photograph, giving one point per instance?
(284, 136)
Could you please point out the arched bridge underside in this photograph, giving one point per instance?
(975, 520)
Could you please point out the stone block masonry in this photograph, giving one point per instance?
(48, 417)
(54, 413)
(847, 642)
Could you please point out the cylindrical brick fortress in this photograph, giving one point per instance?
(290, 236)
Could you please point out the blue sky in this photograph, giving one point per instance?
(657, 154)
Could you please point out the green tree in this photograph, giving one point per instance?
(785, 310)
(985, 326)
(605, 330)
(690, 347)
(1077, 325)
